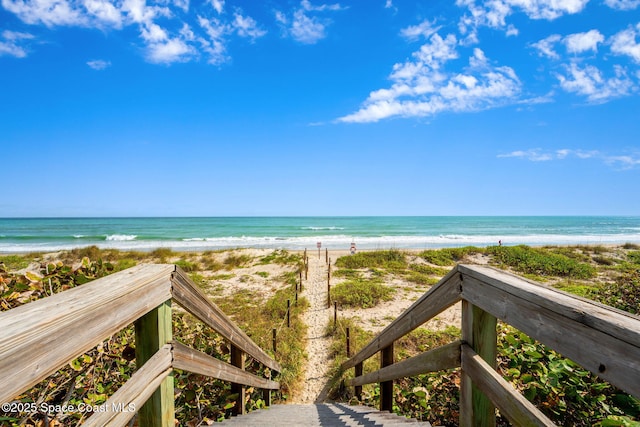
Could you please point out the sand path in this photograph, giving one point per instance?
(313, 389)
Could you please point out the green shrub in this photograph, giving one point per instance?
(448, 256)
(362, 293)
(561, 389)
(389, 259)
(540, 262)
(187, 266)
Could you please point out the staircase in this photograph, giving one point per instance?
(324, 414)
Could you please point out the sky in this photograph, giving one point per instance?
(288, 108)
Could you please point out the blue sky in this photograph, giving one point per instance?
(377, 107)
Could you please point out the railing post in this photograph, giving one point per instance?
(152, 331)
(237, 360)
(479, 332)
(386, 387)
(266, 393)
(358, 388)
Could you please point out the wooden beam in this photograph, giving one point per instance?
(511, 403)
(609, 340)
(438, 359)
(440, 297)
(195, 361)
(237, 360)
(125, 402)
(31, 335)
(153, 331)
(386, 387)
(479, 332)
(192, 299)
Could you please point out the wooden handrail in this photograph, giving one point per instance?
(32, 335)
(192, 299)
(440, 297)
(38, 338)
(603, 340)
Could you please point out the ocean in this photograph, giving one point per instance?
(19, 235)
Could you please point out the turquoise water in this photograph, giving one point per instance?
(51, 234)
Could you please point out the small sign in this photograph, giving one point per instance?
(319, 245)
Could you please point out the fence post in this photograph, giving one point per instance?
(237, 360)
(328, 291)
(335, 315)
(273, 340)
(152, 331)
(266, 393)
(386, 387)
(288, 313)
(358, 388)
(348, 344)
(479, 332)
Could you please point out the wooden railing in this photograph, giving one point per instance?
(38, 338)
(603, 340)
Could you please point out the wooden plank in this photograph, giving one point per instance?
(153, 331)
(440, 297)
(191, 360)
(386, 387)
(483, 340)
(466, 383)
(237, 360)
(511, 403)
(613, 359)
(438, 359)
(39, 337)
(618, 323)
(189, 296)
(125, 402)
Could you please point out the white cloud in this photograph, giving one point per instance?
(11, 43)
(218, 5)
(421, 87)
(622, 4)
(624, 161)
(545, 46)
(624, 43)
(589, 81)
(47, 12)
(104, 12)
(424, 29)
(581, 42)
(169, 50)
(388, 4)
(99, 64)
(534, 155)
(214, 45)
(304, 26)
(493, 13)
(305, 29)
(246, 26)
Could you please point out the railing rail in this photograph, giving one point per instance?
(36, 339)
(603, 340)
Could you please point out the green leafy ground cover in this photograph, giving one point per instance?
(91, 378)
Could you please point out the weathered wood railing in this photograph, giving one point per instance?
(601, 339)
(38, 338)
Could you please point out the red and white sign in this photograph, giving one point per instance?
(319, 245)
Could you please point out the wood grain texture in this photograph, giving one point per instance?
(438, 359)
(125, 402)
(603, 341)
(39, 337)
(192, 299)
(191, 360)
(511, 403)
